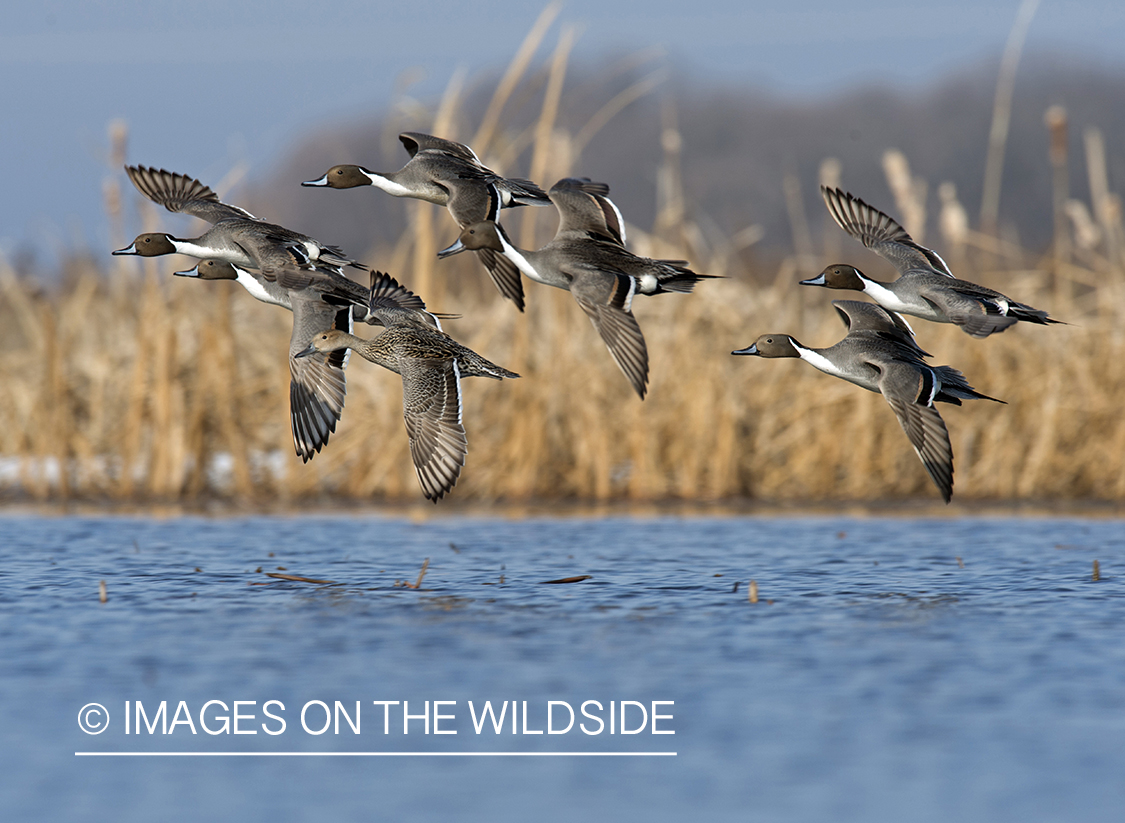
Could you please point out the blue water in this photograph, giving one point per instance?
(876, 679)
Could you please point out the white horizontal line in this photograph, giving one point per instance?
(375, 754)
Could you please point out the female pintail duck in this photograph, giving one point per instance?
(236, 235)
(879, 354)
(431, 365)
(925, 287)
(587, 258)
(317, 386)
(448, 174)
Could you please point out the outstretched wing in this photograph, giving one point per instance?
(880, 233)
(619, 329)
(416, 141)
(317, 386)
(910, 393)
(585, 210)
(431, 407)
(180, 193)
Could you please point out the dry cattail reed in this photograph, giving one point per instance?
(163, 395)
(1002, 116)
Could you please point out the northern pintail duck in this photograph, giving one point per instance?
(449, 174)
(236, 235)
(317, 385)
(431, 365)
(925, 288)
(879, 354)
(587, 258)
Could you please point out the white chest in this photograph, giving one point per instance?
(257, 291)
(887, 298)
(820, 362)
(389, 186)
(228, 255)
(523, 264)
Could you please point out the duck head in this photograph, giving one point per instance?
(838, 276)
(771, 345)
(342, 177)
(150, 244)
(483, 235)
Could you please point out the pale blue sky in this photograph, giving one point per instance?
(203, 85)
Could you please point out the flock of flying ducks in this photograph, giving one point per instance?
(588, 258)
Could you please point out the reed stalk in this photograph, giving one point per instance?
(1002, 116)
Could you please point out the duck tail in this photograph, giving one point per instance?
(955, 388)
(677, 277)
(472, 364)
(1030, 315)
(525, 193)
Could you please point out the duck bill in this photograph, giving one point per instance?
(814, 281)
(130, 249)
(305, 352)
(322, 181)
(449, 251)
(751, 349)
(189, 273)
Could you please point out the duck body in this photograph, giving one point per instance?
(317, 385)
(925, 288)
(442, 172)
(588, 258)
(235, 237)
(450, 175)
(431, 365)
(978, 310)
(879, 354)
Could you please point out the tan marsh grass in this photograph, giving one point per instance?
(125, 383)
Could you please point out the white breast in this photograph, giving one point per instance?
(252, 285)
(522, 263)
(885, 297)
(388, 186)
(227, 255)
(819, 361)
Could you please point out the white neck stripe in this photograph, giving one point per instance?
(522, 263)
(389, 186)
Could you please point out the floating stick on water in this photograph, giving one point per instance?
(297, 578)
(421, 574)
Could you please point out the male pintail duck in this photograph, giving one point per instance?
(431, 365)
(236, 236)
(316, 385)
(925, 287)
(449, 174)
(879, 354)
(587, 258)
